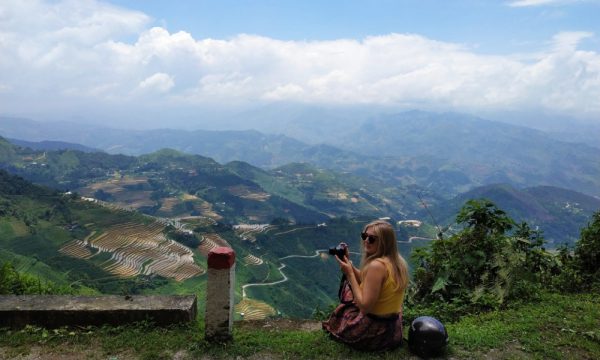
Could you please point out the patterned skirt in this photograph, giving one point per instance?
(365, 332)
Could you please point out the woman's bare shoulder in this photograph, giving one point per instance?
(378, 264)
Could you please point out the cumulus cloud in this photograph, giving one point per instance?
(160, 82)
(524, 3)
(529, 3)
(567, 41)
(104, 55)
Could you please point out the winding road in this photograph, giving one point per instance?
(285, 278)
(410, 239)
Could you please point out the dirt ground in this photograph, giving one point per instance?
(94, 351)
(280, 324)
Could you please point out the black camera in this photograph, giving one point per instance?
(339, 250)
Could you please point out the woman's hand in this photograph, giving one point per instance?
(345, 265)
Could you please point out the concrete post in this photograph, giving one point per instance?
(218, 321)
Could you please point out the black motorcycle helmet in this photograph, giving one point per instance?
(427, 337)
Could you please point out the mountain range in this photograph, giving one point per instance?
(559, 213)
(170, 183)
(265, 213)
(445, 153)
(173, 184)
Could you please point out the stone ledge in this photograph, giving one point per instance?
(52, 311)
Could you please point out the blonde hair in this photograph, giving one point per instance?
(387, 247)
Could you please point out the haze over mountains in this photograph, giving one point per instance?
(269, 196)
(447, 153)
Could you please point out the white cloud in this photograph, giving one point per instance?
(87, 52)
(284, 92)
(524, 3)
(567, 41)
(531, 3)
(159, 82)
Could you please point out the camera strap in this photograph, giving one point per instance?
(345, 291)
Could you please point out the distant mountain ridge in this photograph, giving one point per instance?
(171, 183)
(486, 152)
(223, 146)
(446, 153)
(52, 145)
(560, 213)
(174, 184)
(294, 209)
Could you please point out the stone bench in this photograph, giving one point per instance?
(53, 311)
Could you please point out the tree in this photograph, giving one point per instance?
(483, 266)
(587, 249)
(483, 216)
(14, 283)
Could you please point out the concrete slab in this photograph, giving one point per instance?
(52, 311)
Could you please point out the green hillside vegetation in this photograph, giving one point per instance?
(36, 224)
(41, 228)
(51, 145)
(169, 183)
(493, 262)
(484, 151)
(61, 169)
(13, 282)
(559, 213)
(158, 184)
(507, 298)
(448, 153)
(166, 175)
(42, 233)
(527, 331)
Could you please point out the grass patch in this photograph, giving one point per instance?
(556, 327)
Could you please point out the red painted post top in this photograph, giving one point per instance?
(221, 258)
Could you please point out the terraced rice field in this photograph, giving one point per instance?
(124, 197)
(211, 241)
(254, 309)
(206, 209)
(252, 260)
(245, 192)
(77, 249)
(195, 221)
(257, 215)
(168, 204)
(138, 249)
(247, 232)
(337, 195)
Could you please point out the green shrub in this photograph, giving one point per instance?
(581, 268)
(587, 249)
(14, 283)
(482, 267)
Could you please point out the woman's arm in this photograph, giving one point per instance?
(356, 273)
(365, 297)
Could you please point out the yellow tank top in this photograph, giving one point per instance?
(390, 299)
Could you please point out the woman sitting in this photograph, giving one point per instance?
(370, 314)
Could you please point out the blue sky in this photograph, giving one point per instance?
(490, 26)
(94, 59)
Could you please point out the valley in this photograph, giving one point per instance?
(145, 223)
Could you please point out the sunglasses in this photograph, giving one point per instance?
(370, 238)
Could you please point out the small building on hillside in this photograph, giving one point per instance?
(410, 223)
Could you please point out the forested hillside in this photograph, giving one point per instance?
(91, 247)
(279, 221)
(559, 213)
(446, 153)
(174, 184)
